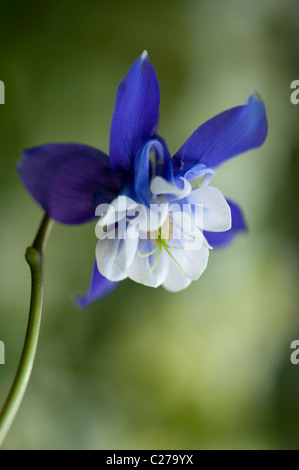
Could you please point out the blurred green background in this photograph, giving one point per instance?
(145, 369)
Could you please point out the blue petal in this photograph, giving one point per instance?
(221, 239)
(143, 167)
(136, 113)
(63, 178)
(230, 133)
(99, 287)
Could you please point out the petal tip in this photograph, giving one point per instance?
(80, 301)
(257, 99)
(144, 55)
(261, 117)
(255, 95)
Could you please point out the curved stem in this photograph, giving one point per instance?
(34, 256)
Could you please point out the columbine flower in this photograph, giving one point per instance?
(150, 246)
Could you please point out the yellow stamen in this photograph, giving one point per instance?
(160, 236)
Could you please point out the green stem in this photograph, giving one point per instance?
(34, 256)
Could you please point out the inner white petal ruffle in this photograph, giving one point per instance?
(216, 211)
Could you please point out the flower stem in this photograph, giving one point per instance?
(34, 256)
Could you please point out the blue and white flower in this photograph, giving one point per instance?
(144, 189)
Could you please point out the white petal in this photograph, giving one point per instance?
(192, 262)
(106, 252)
(126, 252)
(115, 254)
(185, 230)
(216, 211)
(141, 269)
(176, 280)
(159, 186)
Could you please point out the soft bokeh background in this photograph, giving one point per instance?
(144, 369)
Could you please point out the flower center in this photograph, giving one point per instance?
(160, 237)
(164, 233)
